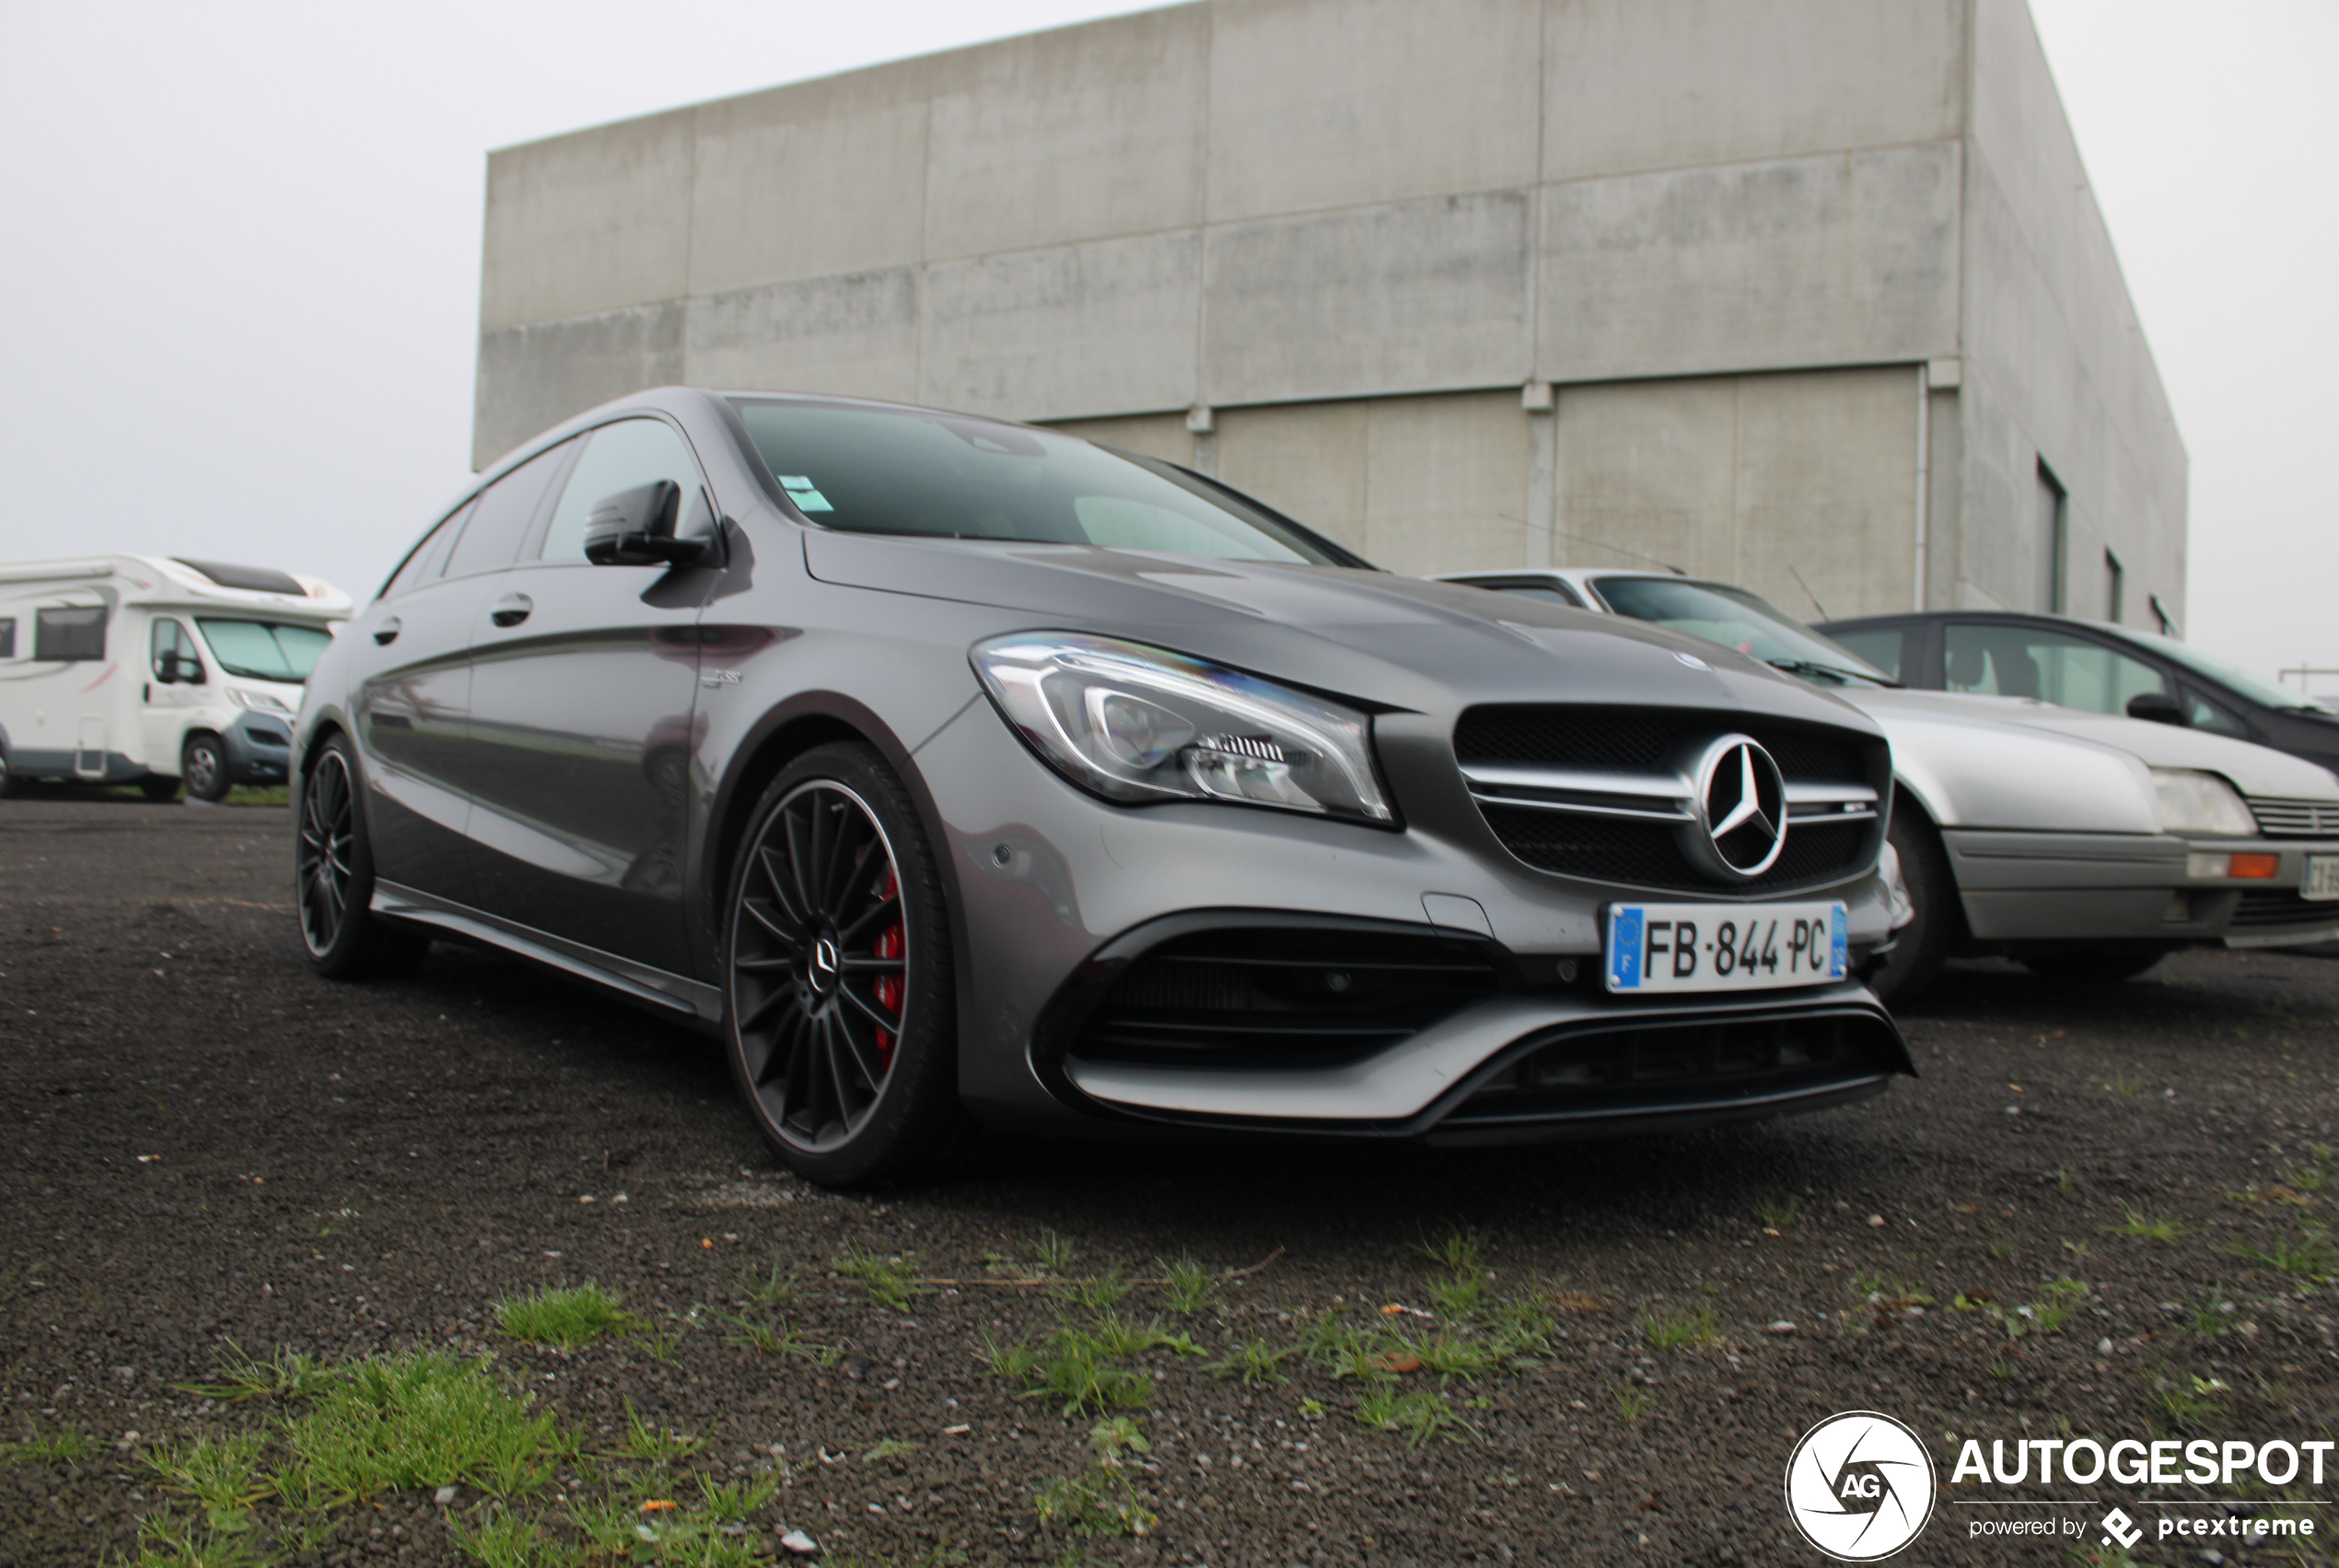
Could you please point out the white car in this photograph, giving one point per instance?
(2086, 845)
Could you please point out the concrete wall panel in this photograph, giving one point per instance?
(531, 377)
(1097, 329)
(1634, 85)
(1081, 133)
(1445, 483)
(1826, 487)
(1332, 103)
(587, 223)
(1162, 435)
(804, 181)
(1417, 297)
(1804, 262)
(856, 335)
(1307, 460)
(1646, 475)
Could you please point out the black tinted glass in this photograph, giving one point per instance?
(69, 635)
(7, 639)
(908, 471)
(491, 539)
(1882, 648)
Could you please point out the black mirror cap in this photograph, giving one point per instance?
(2157, 707)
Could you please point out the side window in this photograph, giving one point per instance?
(2022, 661)
(170, 639)
(500, 521)
(69, 634)
(1883, 647)
(620, 456)
(422, 562)
(2200, 713)
(7, 637)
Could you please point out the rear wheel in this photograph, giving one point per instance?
(334, 876)
(203, 762)
(2103, 964)
(838, 985)
(11, 781)
(1922, 946)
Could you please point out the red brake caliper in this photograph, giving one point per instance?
(889, 944)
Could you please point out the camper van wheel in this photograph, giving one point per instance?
(203, 762)
(10, 784)
(333, 877)
(160, 790)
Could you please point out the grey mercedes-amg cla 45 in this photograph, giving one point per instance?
(960, 773)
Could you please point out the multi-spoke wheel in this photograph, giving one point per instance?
(203, 762)
(839, 993)
(333, 877)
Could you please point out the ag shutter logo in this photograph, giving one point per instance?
(1860, 1486)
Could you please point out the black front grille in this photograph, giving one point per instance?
(1281, 997)
(2283, 906)
(1581, 1074)
(1635, 740)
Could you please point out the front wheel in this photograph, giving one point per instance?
(203, 762)
(333, 879)
(839, 994)
(11, 783)
(1923, 945)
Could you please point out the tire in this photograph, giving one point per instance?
(2105, 964)
(160, 790)
(203, 764)
(12, 783)
(840, 1002)
(333, 877)
(1923, 944)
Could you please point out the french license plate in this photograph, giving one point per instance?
(1726, 947)
(2322, 880)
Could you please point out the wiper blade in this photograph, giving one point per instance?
(1813, 668)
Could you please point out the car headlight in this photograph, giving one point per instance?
(1134, 724)
(2201, 802)
(258, 701)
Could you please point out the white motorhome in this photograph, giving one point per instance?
(146, 670)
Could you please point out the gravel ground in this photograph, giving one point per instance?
(208, 1147)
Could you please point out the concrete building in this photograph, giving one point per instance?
(1753, 287)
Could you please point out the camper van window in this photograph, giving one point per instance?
(264, 650)
(170, 637)
(7, 639)
(70, 634)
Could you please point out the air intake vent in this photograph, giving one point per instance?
(2283, 906)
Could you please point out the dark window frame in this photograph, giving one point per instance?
(7, 636)
(41, 632)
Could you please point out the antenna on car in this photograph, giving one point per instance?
(1808, 593)
(1603, 544)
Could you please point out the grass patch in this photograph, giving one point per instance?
(2148, 1227)
(1458, 1296)
(1419, 1416)
(1187, 1286)
(1102, 1500)
(1254, 1364)
(221, 1475)
(1633, 1403)
(2308, 1255)
(891, 1280)
(1457, 1251)
(1097, 1295)
(775, 1286)
(775, 1339)
(1055, 1253)
(1777, 1214)
(1671, 1331)
(287, 1375)
(421, 1419)
(889, 1448)
(1085, 1370)
(564, 1317)
(66, 1445)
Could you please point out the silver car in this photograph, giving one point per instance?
(2087, 845)
(956, 773)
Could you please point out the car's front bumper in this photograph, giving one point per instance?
(2130, 886)
(259, 749)
(1057, 893)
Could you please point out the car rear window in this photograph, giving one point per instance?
(944, 476)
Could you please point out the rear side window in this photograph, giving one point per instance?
(1885, 647)
(618, 457)
(422, 562)
(7, 638)
(69, 634)
(2055, 667)
(491, 539)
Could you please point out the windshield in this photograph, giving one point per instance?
(948, 476)
(2255, 688)
(265, 650)
(1736, 619)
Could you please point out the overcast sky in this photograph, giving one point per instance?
(239, 282)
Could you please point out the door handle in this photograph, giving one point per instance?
(511, 610)
(387, 632)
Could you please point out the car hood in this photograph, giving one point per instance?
(2252, 769)
(1394, 642)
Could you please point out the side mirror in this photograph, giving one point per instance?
(167, 668)
(177, 668)
(635, 528)
(2156, 707)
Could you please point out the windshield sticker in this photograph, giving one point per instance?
(799, 490)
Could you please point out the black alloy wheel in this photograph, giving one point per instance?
(838, 976)
(333, 879)
(203, 762)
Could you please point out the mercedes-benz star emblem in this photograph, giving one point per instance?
(824, 963)
(1740, 802)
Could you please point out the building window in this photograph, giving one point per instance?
(2115, 583)
(7, 638)
(69, 634)
(2054, 528)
